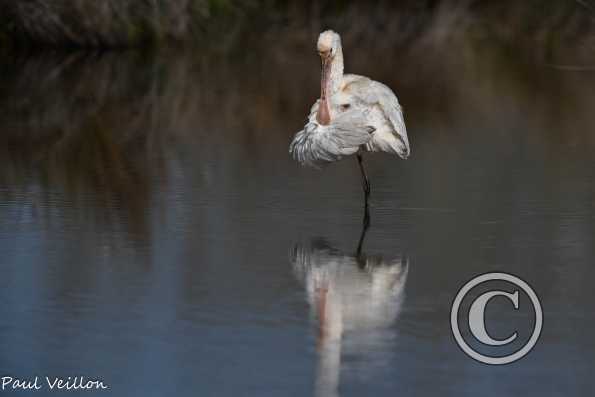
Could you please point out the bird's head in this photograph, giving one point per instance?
(329, 43)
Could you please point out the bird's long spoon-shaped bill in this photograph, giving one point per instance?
(323, 117)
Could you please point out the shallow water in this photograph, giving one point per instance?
(156, 235)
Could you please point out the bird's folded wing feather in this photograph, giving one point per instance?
(375, 93)
(394, 113)
(318, 144)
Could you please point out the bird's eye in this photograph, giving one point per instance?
(345, 106)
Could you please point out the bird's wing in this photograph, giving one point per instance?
(318, 144)
(373, 92)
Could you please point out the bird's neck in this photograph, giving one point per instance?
(336, 73)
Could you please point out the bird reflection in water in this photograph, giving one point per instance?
(355, 299)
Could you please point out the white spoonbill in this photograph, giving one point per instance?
(354, 114)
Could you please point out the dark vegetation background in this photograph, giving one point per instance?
(546, 30)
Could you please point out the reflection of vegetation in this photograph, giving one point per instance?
(107, 126)
(100, 129)
(63, 131)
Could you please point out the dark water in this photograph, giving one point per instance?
(156, 235)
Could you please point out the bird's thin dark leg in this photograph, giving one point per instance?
(366, 187)
(365, 180)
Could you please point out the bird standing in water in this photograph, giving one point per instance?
(354, 114)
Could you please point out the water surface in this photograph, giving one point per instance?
(155, 233)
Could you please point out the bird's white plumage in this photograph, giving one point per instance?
(382, 111)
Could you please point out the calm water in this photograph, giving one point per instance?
(156, 235)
